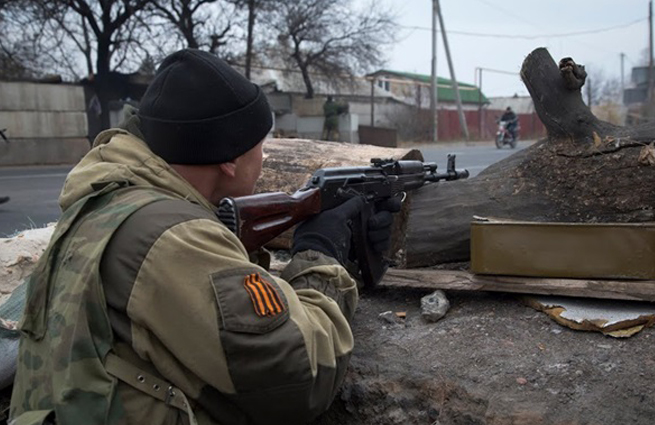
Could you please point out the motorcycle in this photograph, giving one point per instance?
(506, 137)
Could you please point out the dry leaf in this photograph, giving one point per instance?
(597, 141)
(647, 155)
(10, 325)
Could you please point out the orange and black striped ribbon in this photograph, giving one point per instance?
(264, 296)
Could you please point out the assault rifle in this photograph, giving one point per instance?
(257, 219)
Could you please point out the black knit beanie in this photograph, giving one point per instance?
(199, 110)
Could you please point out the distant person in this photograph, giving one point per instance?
(332, 110)
(510, 117)
(4, 199)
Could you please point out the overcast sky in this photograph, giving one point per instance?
(614, 27)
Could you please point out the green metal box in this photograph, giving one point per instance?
(563, 250)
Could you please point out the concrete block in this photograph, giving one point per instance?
(43, 151)
(348, 122)
(308, 107)
(286, 122)
(32, 124)
(310, 125)
(279, 102)
(15, 96)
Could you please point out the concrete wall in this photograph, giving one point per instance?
(45, 123)
(311, 127)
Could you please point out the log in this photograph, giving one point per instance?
(585, 170)
(459, 280)
(289, 163)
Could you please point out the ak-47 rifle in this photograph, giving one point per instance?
(257, 219)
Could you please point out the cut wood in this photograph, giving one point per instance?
(636, 290)
(289, 163)
(586, 170)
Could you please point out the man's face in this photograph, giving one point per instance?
(248, 169)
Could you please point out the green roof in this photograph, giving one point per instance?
(467, 92)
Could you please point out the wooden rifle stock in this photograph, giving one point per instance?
(257, 219)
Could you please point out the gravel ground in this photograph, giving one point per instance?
(490, 360)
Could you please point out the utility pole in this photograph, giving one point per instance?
(372, 102)
(588, 82)
(480, 104)
(458, 98)
(650, 52)
(433, 86)
(622, 79)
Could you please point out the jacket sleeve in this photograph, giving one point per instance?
(231, 335)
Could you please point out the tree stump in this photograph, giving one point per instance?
(586, 170)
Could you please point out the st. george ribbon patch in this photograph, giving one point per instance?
(264, 296)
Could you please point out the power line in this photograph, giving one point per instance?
(532, 37)
(497, 8)
(498, 71)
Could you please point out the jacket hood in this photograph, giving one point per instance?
(120, 156)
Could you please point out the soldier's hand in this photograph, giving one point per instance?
(380, 224)
(330, 231)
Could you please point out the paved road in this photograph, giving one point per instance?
(34, 190)
(474, 157)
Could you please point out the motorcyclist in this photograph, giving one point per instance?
(511, 119)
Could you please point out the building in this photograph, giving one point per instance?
(384, 99)
(415, 89)
(635, 97)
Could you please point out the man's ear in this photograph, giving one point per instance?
(228, 168)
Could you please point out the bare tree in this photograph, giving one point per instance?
(600, 88)
(202, 24)
(254, 9)
(84, 37)
(329, 37)
(18, 59)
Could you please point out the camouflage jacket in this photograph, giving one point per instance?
(146, 309)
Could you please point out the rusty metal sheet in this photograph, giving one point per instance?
(619, 319)
(563, 250)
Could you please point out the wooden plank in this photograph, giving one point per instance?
(636, 290)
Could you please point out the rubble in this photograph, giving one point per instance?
(434, 306)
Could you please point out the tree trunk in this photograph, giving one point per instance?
(101, 83)
(304, 70)
(586, 170)
(251, 26)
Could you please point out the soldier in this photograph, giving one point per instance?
(331, 111)
(146, 309)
